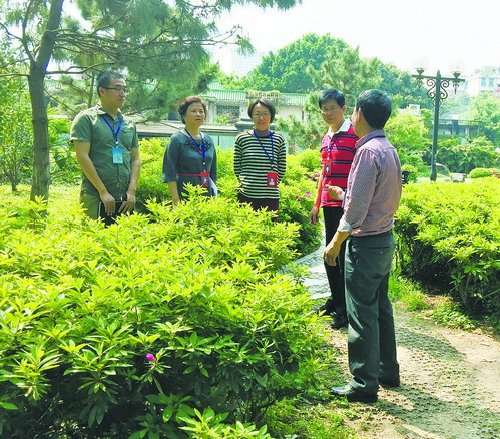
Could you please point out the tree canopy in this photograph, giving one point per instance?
(154, 40)
(287, 70)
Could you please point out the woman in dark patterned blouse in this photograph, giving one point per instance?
(190, 156)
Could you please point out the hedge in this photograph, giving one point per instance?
(449, 238)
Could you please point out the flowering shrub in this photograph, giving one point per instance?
(168, 326)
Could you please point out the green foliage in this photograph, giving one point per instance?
(401, 87)
(293, 419)
(64, 166)
(456, 104)
(408, 134)
(16, 134)
(486, 108)
(449, 236)
(150, 185)
(346, 70)
(405, 291)
(451, 316)
(461, 155)
(412, 172)
(297, 190)
(174, 325)
(287, 70)
(483, 172)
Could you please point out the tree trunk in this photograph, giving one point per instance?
(41, 157)
(36, 80)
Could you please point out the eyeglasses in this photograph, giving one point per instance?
(118, 89)
(261, 115)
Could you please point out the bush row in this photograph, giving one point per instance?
(449, 235)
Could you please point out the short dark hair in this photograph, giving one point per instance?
(268, 104)
(104, 79)
(331, 94)
(376, 107)
(186, 102)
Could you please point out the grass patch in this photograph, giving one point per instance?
(450, 315)
(407, 292)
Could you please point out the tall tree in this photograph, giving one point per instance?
(485, 107)
(286, 70)
(402, 88)
(153, 38)
(15, 127)
(343, 69)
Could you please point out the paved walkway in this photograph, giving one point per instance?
(450, 378)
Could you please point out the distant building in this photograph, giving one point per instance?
(233, 63)
(233, 104)
(484, 80)
(449, 125)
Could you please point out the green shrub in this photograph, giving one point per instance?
(64, 165)
(412, 172)
(297, 189)
(150, 185)
(483, 172)
(449, 236)
(154, 327)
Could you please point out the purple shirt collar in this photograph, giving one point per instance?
(369, 136)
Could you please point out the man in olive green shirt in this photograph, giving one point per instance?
(107, 150)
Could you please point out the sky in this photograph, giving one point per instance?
(436, 34)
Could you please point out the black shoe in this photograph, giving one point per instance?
(354, 395)
(324, 309)
(389, 383)
(339, 321)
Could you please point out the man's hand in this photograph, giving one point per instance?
(108, 201)
(128, 205)
(313, 216)
(335, 192)
(331, 253)
(332, 250)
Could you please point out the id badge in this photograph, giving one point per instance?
(204, 179)
(328, 168)
(272, 179)
(117, 155)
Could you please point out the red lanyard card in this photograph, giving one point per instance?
(272, 179)
(204, 179)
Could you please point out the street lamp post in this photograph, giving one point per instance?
(437, 92)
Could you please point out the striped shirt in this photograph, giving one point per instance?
(337, 153)
(254, 158)
(373, 188)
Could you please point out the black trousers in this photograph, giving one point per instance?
(336, 280)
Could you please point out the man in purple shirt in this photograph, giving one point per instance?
(372, 198)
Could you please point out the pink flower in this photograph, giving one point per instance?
(299, 198)
(307, 194)
(150, 357)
